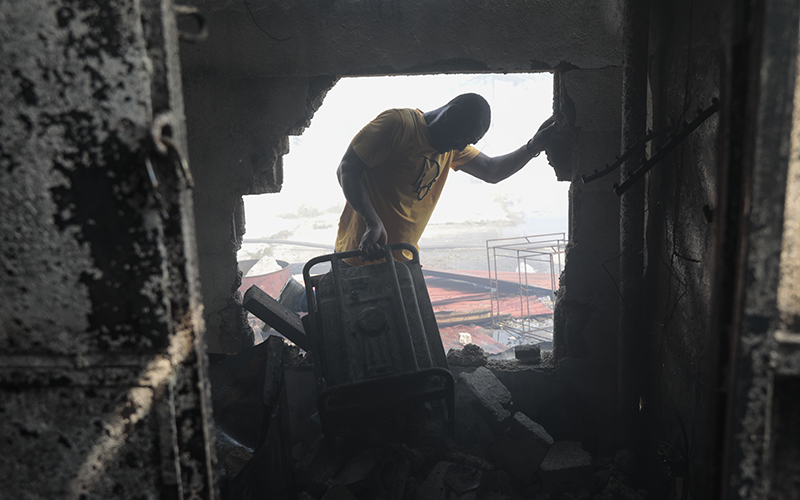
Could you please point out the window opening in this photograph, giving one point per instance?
(285, 230)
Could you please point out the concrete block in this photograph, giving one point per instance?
(523, 428)
(491, 398)
(528, 354)
(566, 468)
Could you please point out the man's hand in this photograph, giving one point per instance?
(373, 241)
(539, 141)
(495, 169)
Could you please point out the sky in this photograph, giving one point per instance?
(308, 207)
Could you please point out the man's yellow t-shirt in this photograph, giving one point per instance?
(404, 181)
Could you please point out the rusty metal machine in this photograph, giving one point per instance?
(375, 340)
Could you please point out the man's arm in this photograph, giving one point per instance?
(498, 168)
(351, 178)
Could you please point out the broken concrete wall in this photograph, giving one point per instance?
(102, 370)
(238, 135)
(260, 77)
(588, 102)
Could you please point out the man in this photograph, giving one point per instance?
(393, 171)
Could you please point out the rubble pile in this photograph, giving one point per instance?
(275, 448)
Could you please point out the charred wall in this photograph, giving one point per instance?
(681, 198)
(102, 386)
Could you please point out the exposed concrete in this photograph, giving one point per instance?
(368, 38)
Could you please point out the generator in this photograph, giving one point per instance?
(375, 341)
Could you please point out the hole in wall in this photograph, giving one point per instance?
(299, 223)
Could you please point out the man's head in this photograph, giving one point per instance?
(462, 121)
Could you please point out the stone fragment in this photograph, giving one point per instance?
(492, 398)
(524, 428)
(355, 472)
(528, 354)
(318, 467)
(625, 461)
(523, 449)
(471, 429)
(395, 480)
(470, 355)
(566, 468)
(338, 491)
(236, 460)
(601, 478)
(449, 481)
(473, 461)
(616, 489)
(462, 479)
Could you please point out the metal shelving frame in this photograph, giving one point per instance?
(548, 248)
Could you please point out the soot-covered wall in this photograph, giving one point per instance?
(102, 388)
(684, 75)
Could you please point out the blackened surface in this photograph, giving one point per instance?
(786, 436)
(108, 216)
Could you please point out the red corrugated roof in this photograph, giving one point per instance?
(541, 280)
(452, 295)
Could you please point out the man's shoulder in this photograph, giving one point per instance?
(400, 122)
(400, 115)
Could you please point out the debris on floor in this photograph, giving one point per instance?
(270, 442)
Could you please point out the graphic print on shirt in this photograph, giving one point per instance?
(427, 177)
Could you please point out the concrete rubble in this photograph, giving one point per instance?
(495, 453)
(489, 396)
(470, 355)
